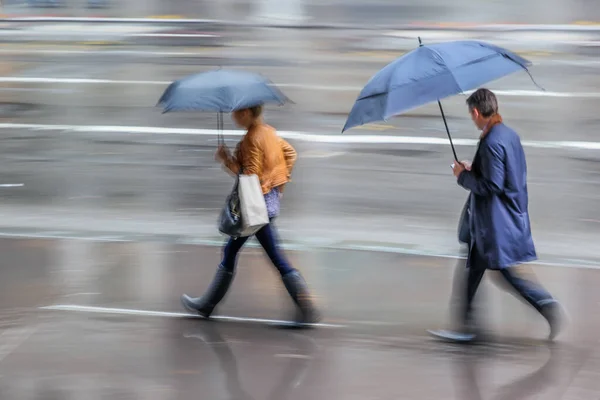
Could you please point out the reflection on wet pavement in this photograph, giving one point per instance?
(378, 350)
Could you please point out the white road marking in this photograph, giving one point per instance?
(434, 27)
(33, 235)
(296, 135)
(175, 35)
(291, 355)
(148, 313)
(108, 35)
(38, 90)
(102, 52)
(9, 185)
(322, 154)
(576, 63)
(8, 79)
(201, 53)
(540, 93)
(82, 294)
(330, 88)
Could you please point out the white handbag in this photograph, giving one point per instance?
(252, 205)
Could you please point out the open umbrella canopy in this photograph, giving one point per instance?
(431, 73)
(220, 91)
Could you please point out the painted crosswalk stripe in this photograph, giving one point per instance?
(167, 314)
(329, 137)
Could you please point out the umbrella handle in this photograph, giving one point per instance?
(448, 131)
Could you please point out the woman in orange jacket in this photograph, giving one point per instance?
(263, 153)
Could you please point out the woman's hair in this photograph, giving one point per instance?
(256, 111)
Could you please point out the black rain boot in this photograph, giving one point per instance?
(298, 289)
(205, 305)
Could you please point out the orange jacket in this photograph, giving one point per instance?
(263, 153)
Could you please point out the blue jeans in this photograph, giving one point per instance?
(267, 237)
(530, 291)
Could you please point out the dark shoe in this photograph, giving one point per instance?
(205, 305)
(298, 290)
(554, 315)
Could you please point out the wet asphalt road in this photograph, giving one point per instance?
(377, 305)
(124, 182)
(135, 193)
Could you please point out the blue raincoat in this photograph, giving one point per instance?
(499, 217)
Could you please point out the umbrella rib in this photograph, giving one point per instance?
(455, 81)
(396, 87)
(278, 94)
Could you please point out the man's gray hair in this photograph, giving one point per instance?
(484, 101)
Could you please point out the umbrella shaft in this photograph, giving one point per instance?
(448, 130)
(220, 138)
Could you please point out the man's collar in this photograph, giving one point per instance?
(494, 120)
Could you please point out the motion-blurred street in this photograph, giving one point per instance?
(108, 212)
(86, 151)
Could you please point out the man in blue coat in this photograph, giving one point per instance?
(500, 231)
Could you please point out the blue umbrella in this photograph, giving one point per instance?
(220, 91)
(431, 73)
